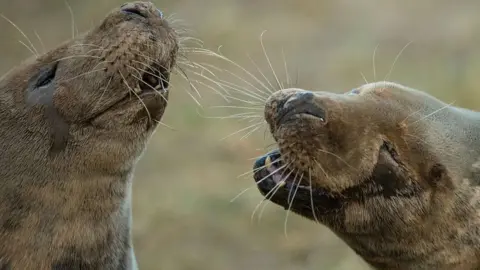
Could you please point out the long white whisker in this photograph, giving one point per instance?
(243, 129)
(395, 61)
(23, 34)
(268, 60)
(290, 207)
(373, 61)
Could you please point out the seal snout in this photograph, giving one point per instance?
(141, 9)
(299, 104)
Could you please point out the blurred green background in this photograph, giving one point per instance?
(183, 218)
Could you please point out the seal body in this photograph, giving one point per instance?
(393, 171)
(73, 123)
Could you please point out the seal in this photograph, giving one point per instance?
(73, 124)
(392, 171)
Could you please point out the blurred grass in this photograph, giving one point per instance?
(182, 215)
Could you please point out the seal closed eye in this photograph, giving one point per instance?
(391, 170)
(73, 124)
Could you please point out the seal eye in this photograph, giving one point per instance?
(46, 76)
(354, 91)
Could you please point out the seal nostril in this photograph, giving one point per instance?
(133, 10)
(298, 104)
(298, 98)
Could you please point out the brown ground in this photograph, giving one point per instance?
(182, 216)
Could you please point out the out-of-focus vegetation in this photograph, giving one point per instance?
(183, 218)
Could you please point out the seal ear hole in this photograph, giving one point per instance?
(437, 172)
(46, 76)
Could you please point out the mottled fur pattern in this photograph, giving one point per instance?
(392, 171)
(71, 131)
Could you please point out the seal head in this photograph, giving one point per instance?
(386, 167)
(73, 124)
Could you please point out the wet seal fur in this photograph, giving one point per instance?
(393, 171)
(73, 123)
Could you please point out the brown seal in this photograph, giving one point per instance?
(73, 123)
(393, 171)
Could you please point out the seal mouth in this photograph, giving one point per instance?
(155, 79)
(272, 174)
(292, 190)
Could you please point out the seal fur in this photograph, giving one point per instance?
(393, 171)
(73, 123)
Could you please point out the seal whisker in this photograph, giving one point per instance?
(238, 115)
(242, 90)
(280, 183)
(41, 42)
(287, 74)
(147, 84)
(335, 155)
(226, 97)
(131, 91)
(290, 207)
(248, 134)
(141, 70)
(248, 173)
(243, 129)
(83, 74)
(410, 115)
(217, 55)
(269, 62)
(72, 17)
(149, 59)
(241, 193)
(87, 45)
(294, 181)
(311, 195)
(212, 88)
(272, 191)
(103, 92)
(184, 75)
(364, 78)
(195, 65)
(32, 47)
(79, 56)
(327, 177)
(240, 107)
(216, 82)
(260, 93)
(271, 89)
(395, 61)
(153, 88)
(165, 125)
(28, 48)
(432, 113)
(253, 185)
(374, 64)
(277, 187)
(224, 84)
